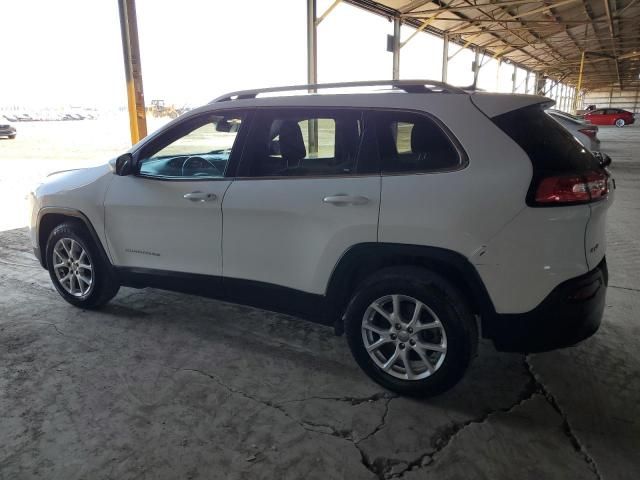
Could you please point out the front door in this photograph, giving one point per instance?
(168, 215)
(305, 192)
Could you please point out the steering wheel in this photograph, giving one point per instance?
(207, 165)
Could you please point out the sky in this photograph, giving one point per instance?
(69, 52)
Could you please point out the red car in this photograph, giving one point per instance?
(610, 116)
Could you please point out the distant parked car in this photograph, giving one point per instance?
(6, 129)
(584, 132)
(610, 116)
(24, 117)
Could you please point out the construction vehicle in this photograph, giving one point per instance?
(159, 109)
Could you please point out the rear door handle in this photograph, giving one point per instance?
(343, 199)
(199, 196)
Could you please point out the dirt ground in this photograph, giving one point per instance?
(161, 385)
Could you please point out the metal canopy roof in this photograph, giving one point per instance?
(548, 37)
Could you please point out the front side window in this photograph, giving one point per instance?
(410, 142)
(198, 149)
(302, 143)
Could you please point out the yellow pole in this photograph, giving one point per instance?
(133, 70)
(575, 98)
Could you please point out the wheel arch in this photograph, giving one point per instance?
(50, 217)
(364, 259)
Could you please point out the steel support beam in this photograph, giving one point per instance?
(575, 99)
(312, 67)
(445, 57)
(513, 78)
(132, 69)
(327, 12)
(396, 48)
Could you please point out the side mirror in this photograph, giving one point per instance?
(123, 165)
(606, 160)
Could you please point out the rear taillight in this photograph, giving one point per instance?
(570, 189)
(589, 132)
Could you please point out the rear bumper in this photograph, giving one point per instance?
(571, 313)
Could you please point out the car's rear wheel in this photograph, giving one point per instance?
(12, 137)
(411, 331)
(620, 122)
(77, 268)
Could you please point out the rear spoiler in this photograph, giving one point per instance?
(494, 104)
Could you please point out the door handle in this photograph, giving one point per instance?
(198, 196)
(343, 199)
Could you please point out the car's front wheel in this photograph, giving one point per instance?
(77, 268)
(620, 122)
(411, 331)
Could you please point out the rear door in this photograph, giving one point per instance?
(304, 193)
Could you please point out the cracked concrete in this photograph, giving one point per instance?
(167, 386)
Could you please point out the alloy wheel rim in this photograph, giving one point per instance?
(73, 268)
(404, 337)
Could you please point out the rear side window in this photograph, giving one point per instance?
(551, 148)
(410, 142)
(303, 143)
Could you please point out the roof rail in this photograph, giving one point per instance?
(409, 86)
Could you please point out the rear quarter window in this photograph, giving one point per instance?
(550, 146)
(413, 143)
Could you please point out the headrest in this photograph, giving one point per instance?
(291, 142)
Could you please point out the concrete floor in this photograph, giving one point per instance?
(167, 386)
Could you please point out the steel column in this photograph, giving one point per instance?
(476, 66)
(445, 57)
(526, 82)
(513, 78)
(540, 84)
(132, 69)
(312, 67)
(396, 48)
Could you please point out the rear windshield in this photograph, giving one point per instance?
(549, 145)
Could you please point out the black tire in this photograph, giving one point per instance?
(12, 137)
(443, 299)
(104, 283)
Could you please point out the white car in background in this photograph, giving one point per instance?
(583, 131)
(413, 219)
(7, 129)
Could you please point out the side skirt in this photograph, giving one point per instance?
(262, 295)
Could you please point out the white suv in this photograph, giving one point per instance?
(413, 218)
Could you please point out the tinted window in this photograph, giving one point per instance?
(413, 143)
(550, 147)
(198, 149)
(302, 143)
